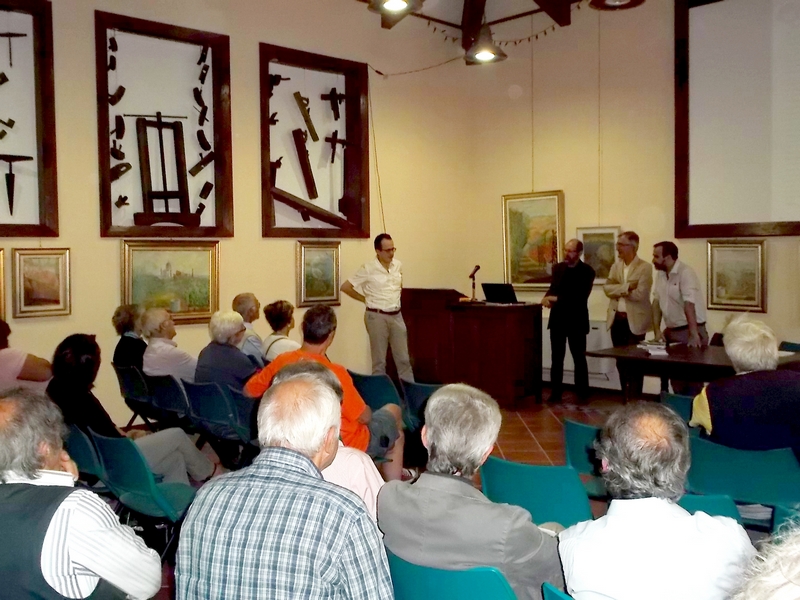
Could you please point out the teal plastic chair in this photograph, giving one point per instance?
(415, 582)
(785, 516)
(416, 395)
(548, 493)
(134, 390)
(579, 444)
(211, 410)
(128, 475)
(716, 505)
(770, 477)
(378, 391)
(82, 451)
(169, 395)
(789, 346)
(680, 404)
(550, 592)
(246, 411)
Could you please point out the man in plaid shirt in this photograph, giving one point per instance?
(276, 529)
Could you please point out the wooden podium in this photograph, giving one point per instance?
(497, 348)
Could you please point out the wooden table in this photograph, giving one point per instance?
(681, 362)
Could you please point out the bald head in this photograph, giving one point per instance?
(572, 252)
(247, 305)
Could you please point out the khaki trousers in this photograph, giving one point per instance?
(385, 331)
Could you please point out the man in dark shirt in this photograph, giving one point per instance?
(221, 361)
(567, 298)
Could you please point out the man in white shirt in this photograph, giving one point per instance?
(378, 284)
(646, 546)
(59, 541)
(248, 306)
(163, 357)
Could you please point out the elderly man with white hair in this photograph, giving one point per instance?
(759, 407)
(163, 357)
(443, 521)
(248, 306)
(775, 573)
(221, 361)
(277, 529)
(646, 546)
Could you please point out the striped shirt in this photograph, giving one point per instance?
(85, 543)
(277, 530)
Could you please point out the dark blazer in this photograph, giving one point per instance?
(129, 352)
(572, 286)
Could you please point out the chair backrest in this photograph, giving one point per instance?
(768, 477)
(376, 390)
(579, 445)
(716, 505)
(789, 346)
(550, 592)
(680, 404)
(415, 582)
(130, 478)
(246, 412)
(785, 517)
(132, 384)
(168, 394)
(83, 452)
(211, 409)
(548, 493)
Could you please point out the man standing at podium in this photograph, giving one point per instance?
(378, 284)
(567, 298)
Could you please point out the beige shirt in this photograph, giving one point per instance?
(163, 357)
(352, 469)
(676, 289)
(381, 287)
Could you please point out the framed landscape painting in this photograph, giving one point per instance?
(182, 277)
(533, 238)
(599, 249)
(318, 273)
(41, 282)
(737, 277)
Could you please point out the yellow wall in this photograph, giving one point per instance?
(450, 142)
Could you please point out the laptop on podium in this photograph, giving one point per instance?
(499, 293)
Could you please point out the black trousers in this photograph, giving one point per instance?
(577, 347)
(621, 336)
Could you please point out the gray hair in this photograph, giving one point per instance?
(751, 345)
(645, 446)
(28, 419)
(152, 319)
(774, 574)
(632, 237)
(310, 368)
(243, 303)
(225, 325)
(462, 423)
(297, 414)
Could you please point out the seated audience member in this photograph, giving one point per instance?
(248, 306)
(163, 357)
(280, 316)
(130, 348)
(775, 573)
(352, 469)
(379, 434)
(59, 541)
(221, 361)
(168, 452)
(442, 521)
(276, 529)
(18, 368)
(646, 546)
(758, 408)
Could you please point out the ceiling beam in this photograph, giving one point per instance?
(558, 10)
(471, 21)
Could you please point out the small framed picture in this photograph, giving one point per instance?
(599, 249)
(182, 277)
(737, 277)
(318, 273)
(41, 282)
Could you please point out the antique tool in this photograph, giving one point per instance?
(302, 104)
(333, 141)
(202, 140)
(200, 208)
(113, 99)
(112, 63)
(112, 44)
(273, 119)
(198, 97)
(10, 123)
(119, 170)
(203, 74)
(11, 159)
(116, 151)
(10, 35)
(201, 120)
(206, 191)
(335, 98)
(300, 138)
(274, 81)
(3, 78)
(3, 134)
(203, 55)
(121, 201)
(119, 127)
(274, 165)
(202, 163)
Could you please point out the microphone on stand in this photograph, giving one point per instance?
(472, 276)
(475, 270)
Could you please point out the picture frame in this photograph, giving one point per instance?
(164, 129)
(737, 276)
(29, 205)
(318, 273)
(533, 238)
(41, 282)
(599, 249)
(180, 276)
(3, 284)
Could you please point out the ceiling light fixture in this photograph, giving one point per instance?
(614, 4)
(394, 7)
(484, 50)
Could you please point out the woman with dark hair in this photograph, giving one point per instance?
(130, 348)
(168, 452)
(280, 316)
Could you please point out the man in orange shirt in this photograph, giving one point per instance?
(379, 434)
